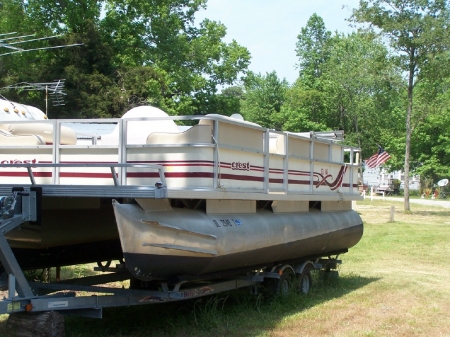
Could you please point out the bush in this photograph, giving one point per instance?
(413, 193)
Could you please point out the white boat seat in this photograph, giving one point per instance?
(138, 131)
(276, 144)
(8, 139)
(235, 132)
(195, 135)
(43, 130)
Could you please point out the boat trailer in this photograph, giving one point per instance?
(24, 297)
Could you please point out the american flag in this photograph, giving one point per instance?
(378, 158)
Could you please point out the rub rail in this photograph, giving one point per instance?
(112, 167)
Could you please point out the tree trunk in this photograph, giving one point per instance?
(408, 129)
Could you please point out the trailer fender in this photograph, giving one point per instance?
(299, 268)
(287, 267)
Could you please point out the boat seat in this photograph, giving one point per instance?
(138, 131)
(8, 139)
(43, 130)
(276, 144)
(236, 132)
(195, 135)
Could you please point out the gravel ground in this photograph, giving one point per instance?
(430, 202)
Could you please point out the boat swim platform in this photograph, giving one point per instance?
(217, 158)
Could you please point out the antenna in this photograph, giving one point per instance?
(10, 41)
(442, 182)
(54, 89)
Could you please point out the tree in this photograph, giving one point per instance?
(263, 99)
(312, 47)
(361, 86)
(430, 146)
(228, 102)
(418, 31)
(192, 59)
(137, 52)
(354, 88)
(302, 109)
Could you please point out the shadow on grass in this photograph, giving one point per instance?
(234, 313)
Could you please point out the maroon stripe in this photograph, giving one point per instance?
(201, 165)
(298, 182)
(170, 175)
(167, 161)
(240, 177)
(194, 175)
(276, 181)
(84, 175)
(83, 162)
(25, 174)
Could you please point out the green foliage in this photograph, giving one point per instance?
(431, 140)
(346, 82)
(263, 99)
(193, 60)
(226, 103)
(362, 88)
(302, 110)
(312, 47)
(136, 53)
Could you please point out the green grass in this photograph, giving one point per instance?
(394, 282)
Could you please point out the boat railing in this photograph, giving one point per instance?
(275, 155)
(112, 167)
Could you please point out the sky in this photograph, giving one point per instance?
(269, 28)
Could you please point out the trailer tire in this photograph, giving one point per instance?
(304, 281)
(284, 284)
(280, 286)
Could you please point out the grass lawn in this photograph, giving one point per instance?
(395, 282)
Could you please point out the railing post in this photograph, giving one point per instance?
(311, 166)
(351, 165)
(122, 148)
(286, 164)
(56, 151)
(216, 155)
(266, 161)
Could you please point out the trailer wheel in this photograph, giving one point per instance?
(304, 281)
(284, 284)
(280, 286)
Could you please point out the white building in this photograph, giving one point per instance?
(379, 176)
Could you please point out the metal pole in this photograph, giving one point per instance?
(46, 100)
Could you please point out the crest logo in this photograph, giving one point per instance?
(237, 165)
(17, 161)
